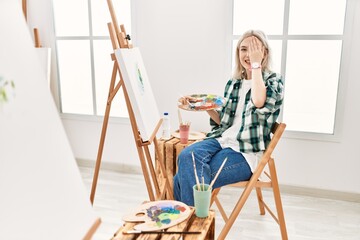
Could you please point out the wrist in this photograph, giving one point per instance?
(255, 65)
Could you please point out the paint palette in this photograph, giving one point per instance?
(203, 102)
(158, 215)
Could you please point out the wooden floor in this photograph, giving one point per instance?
(307, 218)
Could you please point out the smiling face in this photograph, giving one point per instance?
(242, 58)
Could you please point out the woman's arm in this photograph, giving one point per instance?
(214, 116)
(258, 89)
(274, 93)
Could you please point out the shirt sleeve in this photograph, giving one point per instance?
(274, 94)
(213, 124)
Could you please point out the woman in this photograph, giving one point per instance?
(241, 129)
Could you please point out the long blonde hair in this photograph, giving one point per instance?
(239, 71)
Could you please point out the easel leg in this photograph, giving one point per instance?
(138, 141)
(103, 134)
(146, 173)
(152, 172)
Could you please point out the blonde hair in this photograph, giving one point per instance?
(239, 71)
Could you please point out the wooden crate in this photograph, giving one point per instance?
(193, 224)
(169, 151)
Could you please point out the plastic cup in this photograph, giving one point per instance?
(202, 200)
(184, 133)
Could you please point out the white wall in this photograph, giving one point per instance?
(330, 165)
(184, 45)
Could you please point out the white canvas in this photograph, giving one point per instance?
(139, 90)
(45, 61)
(42, 195)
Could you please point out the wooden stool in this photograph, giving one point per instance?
(193, 224)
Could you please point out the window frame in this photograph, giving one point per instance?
(95, 116)
(343, 70)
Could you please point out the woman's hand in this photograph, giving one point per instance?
(188, 100)
(256, 50)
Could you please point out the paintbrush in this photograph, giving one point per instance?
(180, 118)
(203, 182)
(217, 174)
(196, 177)
(158, 232)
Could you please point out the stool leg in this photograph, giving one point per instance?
(260, 200)
(221, 210)
(277, 199)
(214, 194)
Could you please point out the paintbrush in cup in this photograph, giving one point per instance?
(217, 174)
(203, 182)
(196, 176)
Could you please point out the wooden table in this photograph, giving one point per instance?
(205, 225)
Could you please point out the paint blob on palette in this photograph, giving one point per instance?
(202, 102)
(164, 214)
(158, 215)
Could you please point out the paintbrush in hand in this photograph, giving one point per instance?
(180, 118)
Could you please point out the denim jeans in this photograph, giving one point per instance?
(208, 156)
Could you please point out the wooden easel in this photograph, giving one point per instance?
(24, 8)
(120, 39)
(36, 31)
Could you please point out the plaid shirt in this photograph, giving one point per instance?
(254, 133)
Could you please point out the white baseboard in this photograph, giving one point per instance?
(124, 168)
(288, 189)
(321, 193)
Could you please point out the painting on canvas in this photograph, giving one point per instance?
(139, 90)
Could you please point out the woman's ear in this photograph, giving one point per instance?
(266, 52)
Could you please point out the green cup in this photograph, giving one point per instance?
(202, 200)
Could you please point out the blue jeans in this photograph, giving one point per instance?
(208, 158)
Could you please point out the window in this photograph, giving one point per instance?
(83, 54)
(306, 38)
